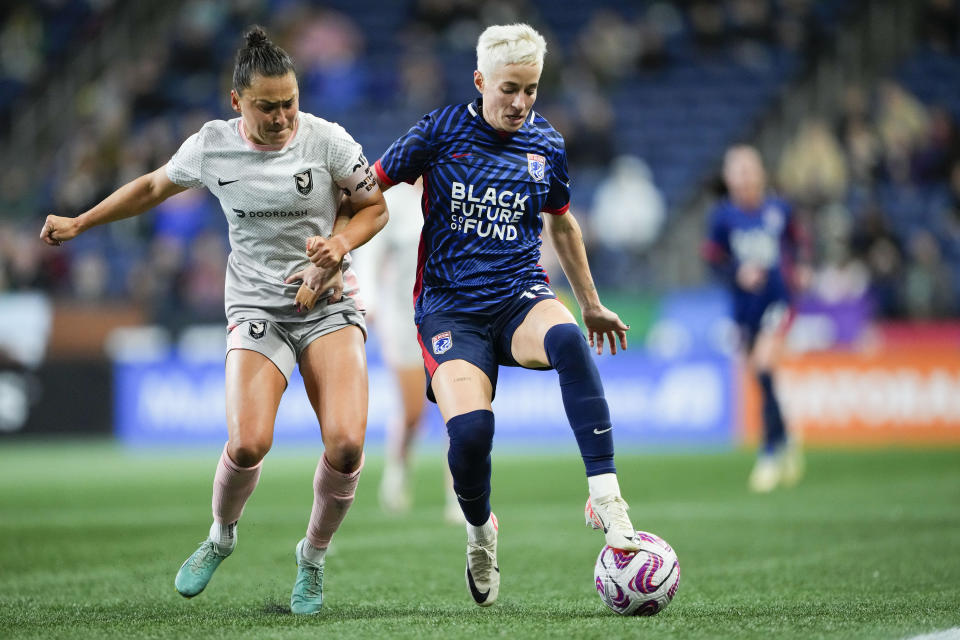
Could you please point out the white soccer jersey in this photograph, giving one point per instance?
(273, 199)
(388, 266)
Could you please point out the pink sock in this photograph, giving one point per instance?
(232, 486)
(333, 493)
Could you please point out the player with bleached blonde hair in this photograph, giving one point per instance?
(495, 175)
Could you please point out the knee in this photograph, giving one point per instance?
(345, 450)
(472, 433)
(248, 452)
(564, 343)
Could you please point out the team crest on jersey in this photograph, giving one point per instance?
(304, 181)
(257, 330)
(442, 342)
(536, 165)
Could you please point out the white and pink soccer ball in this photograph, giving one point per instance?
(638, 583)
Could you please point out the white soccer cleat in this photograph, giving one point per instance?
(609, 514)
(792, 464)
(766, 474)
(483, 572)
(394, 492)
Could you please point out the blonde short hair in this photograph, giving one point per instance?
(500, 45)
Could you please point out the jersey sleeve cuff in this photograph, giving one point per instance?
(382, 175)
(558, 212)
(713, 252)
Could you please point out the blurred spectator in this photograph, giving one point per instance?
(24, 265)
(147, 94)
(456, 22)
(928, 286)
(854, 108)
(797, 27)
(17, 199)
(610, 46)
(842, 275)
(89, 276)
(626, 218)
(935, 156)
(21, 45)
(751, 31)
(154, 282)
(708, 24)
(193, 51)
(947, 217)
(813, 170)
(327, 46)
(940, 25)
(950, 212)
(185, 216)
(442, 15)
(653, 32)
(203, 277)
(875, 243)
(902, 123)
(421, 79)
(856, 132)
(591, 141)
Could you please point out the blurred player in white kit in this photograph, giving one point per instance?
(387, 267)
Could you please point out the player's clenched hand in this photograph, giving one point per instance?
(326, 252)
(751, 277)
(317, 284)
(802, 277)
(58, 229)
(603, 324)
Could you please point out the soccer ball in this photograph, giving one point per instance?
(638, 583)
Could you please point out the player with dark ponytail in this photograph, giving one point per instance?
(259, 56)
(279, 174)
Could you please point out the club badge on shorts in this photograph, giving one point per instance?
(442, 342)
(536, 165)
(257, 330)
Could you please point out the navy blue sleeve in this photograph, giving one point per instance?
(409, 156)
(558, 199)
(716, 249)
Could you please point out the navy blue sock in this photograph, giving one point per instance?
(471, 440)
(583, 397)
(774, 431)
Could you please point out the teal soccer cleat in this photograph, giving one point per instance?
(307, 597)
(196, 572)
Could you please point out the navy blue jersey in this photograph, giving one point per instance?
(483, 191)
(767, 237)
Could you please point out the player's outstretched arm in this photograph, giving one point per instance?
(602, 324)
(130, 200)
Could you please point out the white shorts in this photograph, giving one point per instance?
(284, 342)
(394, 321)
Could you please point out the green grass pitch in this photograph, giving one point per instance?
(868, 546)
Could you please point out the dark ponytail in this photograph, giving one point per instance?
(259, 56)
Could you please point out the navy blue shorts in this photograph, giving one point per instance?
(772, 315)
(482, 339)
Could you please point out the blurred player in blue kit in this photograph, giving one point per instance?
(755, 245)
(489, 168)
(279, 175)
